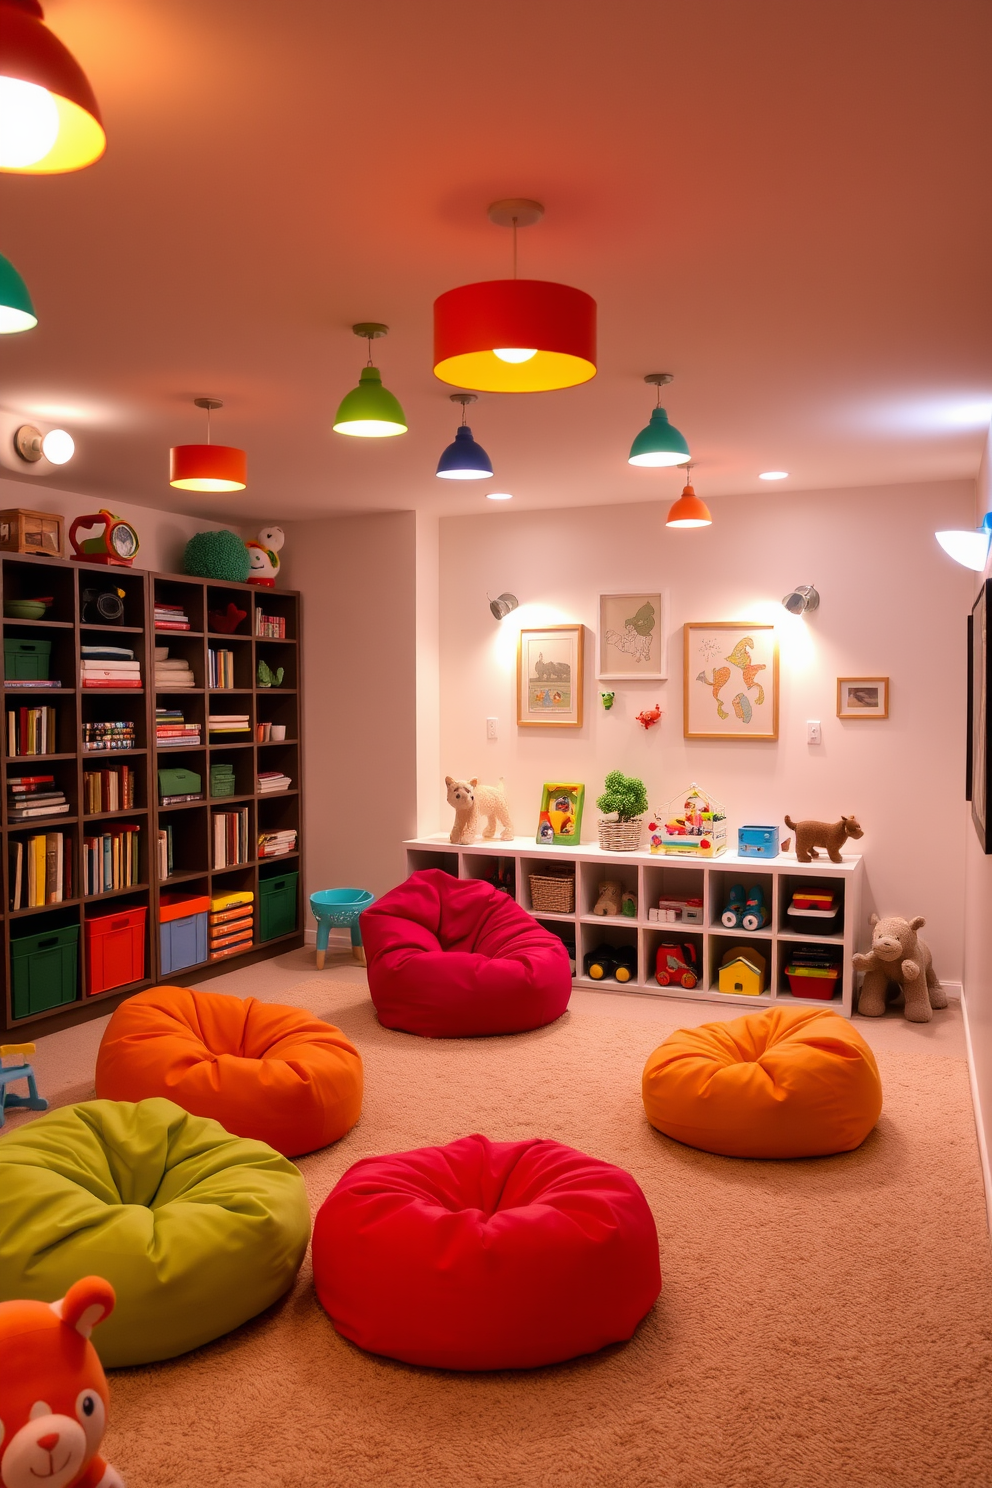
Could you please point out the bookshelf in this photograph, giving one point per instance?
(75, 707)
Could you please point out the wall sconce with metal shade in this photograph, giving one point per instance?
(16, 309)
(370, 411)
(208, 467)
(970, 549)
(57, 446)
(502, 605)
(515, 335)
(802, 600)
(464, 459)
(659, 442)
(49, 118)
(689, 510)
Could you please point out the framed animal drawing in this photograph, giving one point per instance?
(730, 681)
(549, 677)
(632, 638)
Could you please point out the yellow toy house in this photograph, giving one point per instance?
(742, 971)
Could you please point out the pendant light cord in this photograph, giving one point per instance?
(208, 425)
(369, 363)
(514, 247)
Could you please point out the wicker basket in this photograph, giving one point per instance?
(552, 893)
(618, 836)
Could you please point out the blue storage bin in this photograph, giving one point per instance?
(183, 942)
(757, 842)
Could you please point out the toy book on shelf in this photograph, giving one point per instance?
(695, 825)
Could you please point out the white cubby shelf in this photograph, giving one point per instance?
(652, 877)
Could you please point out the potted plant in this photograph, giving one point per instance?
(624, 800)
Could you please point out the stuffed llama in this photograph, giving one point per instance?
(471, 801)
(898, 960)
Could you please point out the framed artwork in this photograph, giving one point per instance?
(980, 754)
(561, 813)
(862, 697)
(549, 677)
(632, 637)
(730, 681)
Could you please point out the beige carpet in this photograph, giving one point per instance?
(824, 1322)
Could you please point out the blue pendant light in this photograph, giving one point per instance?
(464, 459)
(16, 309)
(659, 442)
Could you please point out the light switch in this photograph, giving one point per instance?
(813, 735)
(492, 728)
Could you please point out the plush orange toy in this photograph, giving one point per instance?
(53, 1394)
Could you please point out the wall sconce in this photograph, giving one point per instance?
(56, 446)
(802, 599)
(502, 606)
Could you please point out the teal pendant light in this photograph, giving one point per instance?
(370, 411)
(16, 309)
(659, 443)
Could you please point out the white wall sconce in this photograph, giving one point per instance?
(802, 600)
(970, 549)
(502, 606)
(57, 447)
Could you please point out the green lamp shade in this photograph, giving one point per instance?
(370, 410)
(659, 444)
(16, 309)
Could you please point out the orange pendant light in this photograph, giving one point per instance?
(208, 467)
(515, 335)
(689, 510)
(49, 118)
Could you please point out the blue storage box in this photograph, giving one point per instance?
(183, 942)
(757, 842)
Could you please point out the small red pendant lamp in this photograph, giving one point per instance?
(49, 118)
(689, 510)
(515, 335)
(208, 467)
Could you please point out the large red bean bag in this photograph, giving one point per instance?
(455, 958)
(486, 1255)
(274, 1073)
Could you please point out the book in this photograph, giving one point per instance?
(112, 682)
(16, 879)
(106, 663)
(38, 682)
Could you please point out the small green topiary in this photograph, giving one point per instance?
(625, 795)
(217, 555)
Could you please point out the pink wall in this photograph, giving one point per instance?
(892, 604)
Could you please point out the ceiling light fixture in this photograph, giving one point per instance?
(464, 459)
(689, 510)
(659, 442)
(515, 335)
(970, 549)
(370, 411)
(803, 599)
(774, 475)
(57, 447)
(208, 467)
(16, 309)
(502, 606)
(498, 496)
(49, 119)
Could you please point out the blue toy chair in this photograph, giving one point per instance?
(20, 1071)
(339, 907)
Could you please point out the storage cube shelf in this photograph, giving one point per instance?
(653, 877)
(61, 961)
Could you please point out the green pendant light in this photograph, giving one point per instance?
(370, 411)
(659, 443)
(16, 309)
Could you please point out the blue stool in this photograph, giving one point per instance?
(339, 907)
(8, 1072)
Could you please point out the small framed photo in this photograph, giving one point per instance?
(560, 821)
(549, 677)
(862, 697)
(632, 638)
(730, 681)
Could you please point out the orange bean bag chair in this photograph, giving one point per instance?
(789, 1082)
(262, 1070)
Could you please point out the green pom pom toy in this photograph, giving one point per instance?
(217, 555)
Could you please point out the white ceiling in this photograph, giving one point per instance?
(784, 204)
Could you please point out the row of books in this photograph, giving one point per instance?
(230, 925)
(108, 790)
(221, 669)
(30, 796)
(40, 871)
(31, 731)
(229, 723)
(170, 617)
(172, 730)
(164, 847)
(115, 735)
(272, 781)
(108, 666)
(230, 835)
(112, 860)
(276, 844)
(272, 627)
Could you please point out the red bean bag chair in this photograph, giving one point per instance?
(455, 958)
(485, 1255)
(262, 1070)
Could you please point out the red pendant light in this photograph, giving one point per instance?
(515, 335)
(49, 118)
(208, 467)
(689, 510)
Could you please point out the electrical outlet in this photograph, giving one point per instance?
(492, 728)
(813, 735)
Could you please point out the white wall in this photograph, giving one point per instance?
(892, 604)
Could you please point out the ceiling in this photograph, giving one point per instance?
(785, 205)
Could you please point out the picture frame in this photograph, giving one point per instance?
(979, 680)
(632, 643)
(862, 697)
(550, 662)
(560, 821)
(730, 680)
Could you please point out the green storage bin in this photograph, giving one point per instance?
(277, 905)
(44, 969)
(26, 661)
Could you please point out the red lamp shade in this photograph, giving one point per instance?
(63, 118)
(208, 467)
(546, 332)
(689, 510)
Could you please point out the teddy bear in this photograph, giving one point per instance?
(53, 1393)
(898, 960)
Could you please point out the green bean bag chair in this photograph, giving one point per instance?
(195, 1230)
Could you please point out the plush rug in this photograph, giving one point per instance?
(822, 1322)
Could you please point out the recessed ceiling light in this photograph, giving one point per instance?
(774, 475)
(498, 496)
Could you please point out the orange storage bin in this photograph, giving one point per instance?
(115, 949)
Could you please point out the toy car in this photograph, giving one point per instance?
(619, 962)
(676, 963)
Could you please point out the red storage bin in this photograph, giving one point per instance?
(819, 983)
(115, 949)
(178, 906)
